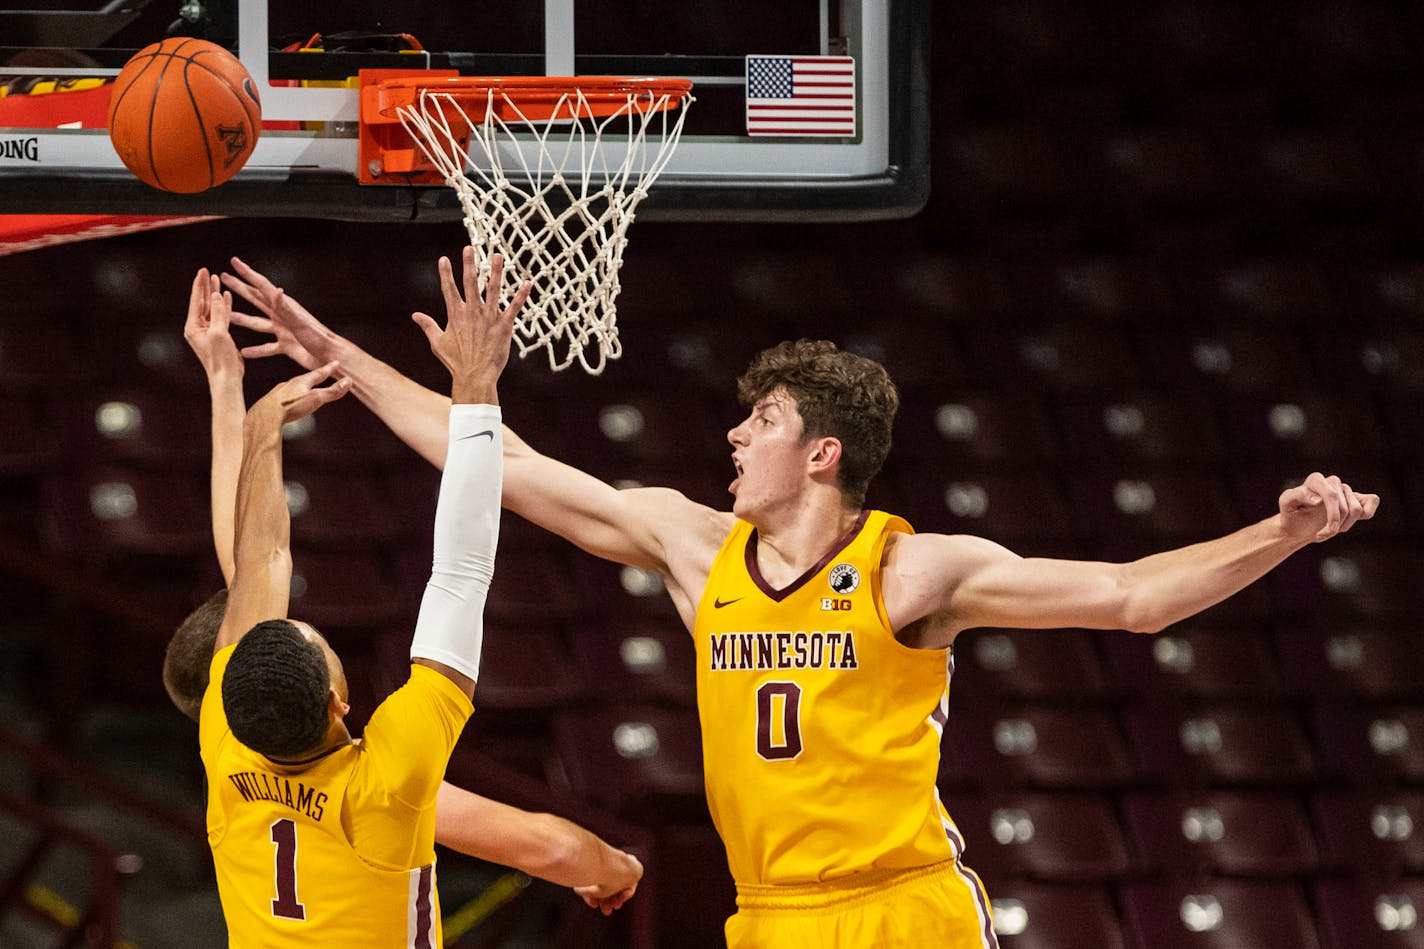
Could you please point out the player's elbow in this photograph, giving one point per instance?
(1145, 624)
(1139, 611)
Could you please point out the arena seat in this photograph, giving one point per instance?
(1354, 660)
(28, 442)
(1067, 837)
(1221, 362)
(1016, 745)
(346, 435)
(975, 426)
(346, 588)
(1028, 665)
(1054, 916)
(1195, 659)
(1058, 357)
(1138, 427)
(338, 509)
(527, 667)
(1164, 508)
(106, 513)
(1219, 744)
(1007, 508)
(1215, 913)
(1311, 430)
(1233, 833)
(38, 356)
(633, 759)
(638, 659)
(1373, 834)
(1357, 913)
(1376, 744)
(1159, 167)
(139, 426)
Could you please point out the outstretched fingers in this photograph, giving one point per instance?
(471, 274)
(197, 304)
(428, 326)
(517, 303)
(448, 288)
(301, 395)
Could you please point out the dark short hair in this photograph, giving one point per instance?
(190, 654)
(275, 690)
(838, 394)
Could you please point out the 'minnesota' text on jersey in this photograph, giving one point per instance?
(820, 730)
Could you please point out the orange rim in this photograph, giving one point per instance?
(537, 97)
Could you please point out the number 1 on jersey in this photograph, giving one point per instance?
(779, 720)
(284, 835)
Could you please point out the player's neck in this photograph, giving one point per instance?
(337, 736)
(791, 540)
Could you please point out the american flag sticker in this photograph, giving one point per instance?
(801, 95)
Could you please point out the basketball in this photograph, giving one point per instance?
(184, 115)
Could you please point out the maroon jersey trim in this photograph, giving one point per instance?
(776, 595)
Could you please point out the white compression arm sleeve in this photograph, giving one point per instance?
(451, 625)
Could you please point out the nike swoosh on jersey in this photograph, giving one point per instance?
(477, 435)
(718, 602)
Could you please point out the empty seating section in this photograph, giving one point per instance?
(1147, 294)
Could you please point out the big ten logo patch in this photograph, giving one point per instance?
(834, 604)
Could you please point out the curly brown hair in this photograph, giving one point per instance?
(838, 394)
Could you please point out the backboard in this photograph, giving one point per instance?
(727, 166)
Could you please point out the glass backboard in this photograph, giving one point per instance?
(55, 158)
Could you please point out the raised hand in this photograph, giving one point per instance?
(206, 327)
(474, 345)
(296, 333)
(1321, 507)
(302, 395)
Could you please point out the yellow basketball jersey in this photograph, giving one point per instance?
(340, 850)
(820, 731)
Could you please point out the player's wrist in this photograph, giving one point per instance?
(474, 392)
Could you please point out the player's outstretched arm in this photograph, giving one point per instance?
(623, 526)
(206, 330)
(967, 582)
(417, 415)
(542, 845)
(262, 573)
(474, 346)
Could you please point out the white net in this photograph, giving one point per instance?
(562, 222)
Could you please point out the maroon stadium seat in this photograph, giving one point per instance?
(1212, 913)
(1062, 836)
(1240, 744)
(1265, 834)
(1374, 834)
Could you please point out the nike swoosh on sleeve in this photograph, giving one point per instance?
(476, 435)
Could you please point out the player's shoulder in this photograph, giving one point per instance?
(938, 553)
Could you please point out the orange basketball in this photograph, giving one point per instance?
(184, 115)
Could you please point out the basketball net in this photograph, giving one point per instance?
(564, 224)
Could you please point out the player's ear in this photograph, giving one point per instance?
(825, 453)
(335, 705)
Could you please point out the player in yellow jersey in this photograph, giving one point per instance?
(319, 839)
(823, 632)
(542, 845)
